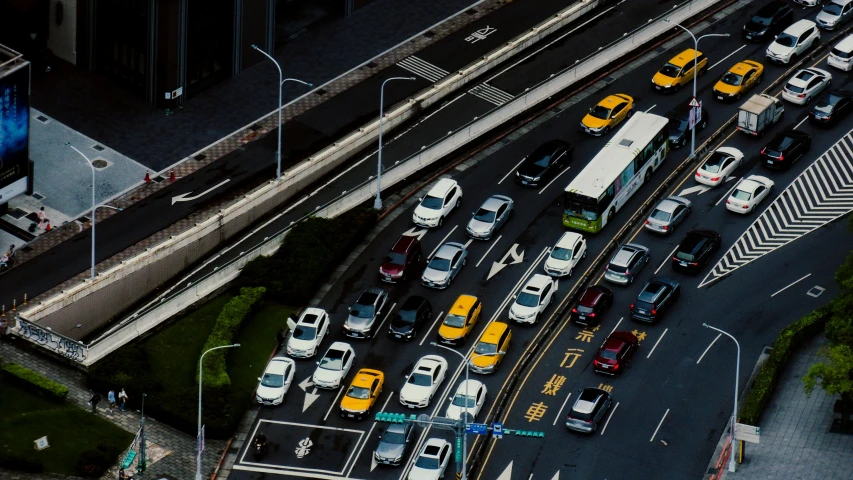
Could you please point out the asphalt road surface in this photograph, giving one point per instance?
(675, 400)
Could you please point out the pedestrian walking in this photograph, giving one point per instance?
(111, 397)
(121, 474)
(280, 336)
(122, 399)
(42, 218)
(96, 398)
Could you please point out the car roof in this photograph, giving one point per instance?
(441, 187)
(536, 283)
(463, 304)
(625, 254)
(278, 365)
(436, 443)
(493, 332)
(692, 239)
(343, 346)
(742, 67)
(592, 294)
(413, 303)
(494, 202)
(682, 110)
(622, 337)
(803, 77)
(799, 27)
(588, 399)
(449, 249)
(428, 363)
(404, 244)
(749, 185)
(568, 239)
(311, 316)
(396, 428)
(611, 101)
(651, 292)
(368, 297)
(668, 205)
(473, 385)
(665, 280)
(682, 58)
(846, 44)
(365, 377)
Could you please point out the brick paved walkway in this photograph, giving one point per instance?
(175, 449)
(795, 438)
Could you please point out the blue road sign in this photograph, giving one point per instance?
(498, 429)
(477, 428)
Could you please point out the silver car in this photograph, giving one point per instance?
(393, 444)
(444, 265)
(668, 214)
(834, 14)
(363, 314)
(494, 212)
(627, 263)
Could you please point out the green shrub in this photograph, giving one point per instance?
(125, 368)
(35, 382)
(94, 463)
(227, 326)
(788, 340)
(844, 274)
(21, 464)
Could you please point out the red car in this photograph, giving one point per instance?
(615, 353)
(403, 257)
(592, 305)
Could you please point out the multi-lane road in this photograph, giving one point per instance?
(672, 405)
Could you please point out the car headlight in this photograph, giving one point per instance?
(537, 179)
(347, 327)
(517, 174)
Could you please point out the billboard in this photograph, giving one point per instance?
(14, 130)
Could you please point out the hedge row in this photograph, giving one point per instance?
(312, 250)
(35, 382)
(789, 339)
(224, 331)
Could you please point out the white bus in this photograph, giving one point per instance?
(619, 169)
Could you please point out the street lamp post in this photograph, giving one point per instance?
(377, 204)
(92, 275)
(732, 462)
(695, 71)
(280, 83)
(198, 438)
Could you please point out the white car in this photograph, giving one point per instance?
(310, 330)
(276, 381)
(749, 193)
(565, 255)
(423, 382)
(334, 366)
(473, 399)
(439, 201)
(533, 299)
(805, 85)
(719, 166)
(793, 42)
(432, 461)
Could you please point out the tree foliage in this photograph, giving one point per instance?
(833, 375)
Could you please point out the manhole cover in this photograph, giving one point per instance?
(99, 148)
(100, 164)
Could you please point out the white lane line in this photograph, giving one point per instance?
(440, 109)
(430, 328)
(667, 259)
(801, 122)
(554, 180)
(468, 243)
(791, 285)
(650, 108)
(560, 411)
(441, 242)
(656, 343)
(487, 251)
(376, 332)
(726, 57)
(609, 417)
(335, 402)
(659, 424)
(368, 437)
(513, 169)
(729, 192)
(709, 347)
(617, 325)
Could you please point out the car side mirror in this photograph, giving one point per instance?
(450, 398)
(259, 379)
(406, 377)
(318, 363)
(502, 352)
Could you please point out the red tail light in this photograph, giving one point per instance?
(745, 207)
(802, 95)
(627, 272)
(596, 362)
(654, 312)
(715, 179)
(695, 264)
(592, 315)
(647, 222)
(762, 150)
(632, 306)
(616, 366)
(698, 175)
(674, 259)
(574, 310)
(781, 157)
(728, 201)
(665, 227)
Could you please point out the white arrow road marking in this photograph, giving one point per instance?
(698, 188)
(306, 384)
(507, 473)
(309, 399)
(556, 476)
(373, 463)
(517, 257)
(184, 198)
(416, 232)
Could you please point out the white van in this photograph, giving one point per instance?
(841, 56)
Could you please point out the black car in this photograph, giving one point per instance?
(831, 107)
(414, 314)
(657, 296)
(768, 21)
(679, 121)
(594, 301)
(786, 148)
(545, 162)
(695, 250)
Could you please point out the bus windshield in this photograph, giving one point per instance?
(580, 206)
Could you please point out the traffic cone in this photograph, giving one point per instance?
(172, 177)
(47, 228)
(147, 177)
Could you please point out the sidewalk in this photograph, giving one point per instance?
(171, 453)
(795, 438)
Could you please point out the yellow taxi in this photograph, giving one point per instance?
(679, 71)
(740, 78)
(460, 320)
(609, 113)
(362, 393)
(491, 348)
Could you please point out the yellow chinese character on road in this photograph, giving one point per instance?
(551, 386)
(572, 354)
(536, 412)
(585, 335)
(606, 388)
(640, 335)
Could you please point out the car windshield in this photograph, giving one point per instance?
(600, 111)
(486, 216)
(334, 360)
(584, 309)
(686, 256)
(432, 203)
(608, 354)
(361, 393)
(678, 125)
(794, 88)
(396, 438)
(420, 379)
(580, 206)
(457, 321)
(427, 463)
(741, 195)
(670, 70)
(527, 299)
(272, 380)
(362, 311)
(833, 9)
(660, 215)
(460, 400)
(761, 20)
(731, 78)
(440, 264)
(483, 348)
(786, 40)
(304, 332)
(823, 107)
(649, 293)
(395, 258)
(715, 163)
(561, 253)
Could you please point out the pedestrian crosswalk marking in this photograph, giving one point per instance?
(491, 94)
(422, 68)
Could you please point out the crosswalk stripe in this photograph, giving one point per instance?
(491, 94)
(423, 68)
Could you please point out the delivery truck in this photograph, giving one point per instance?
(758, 113)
